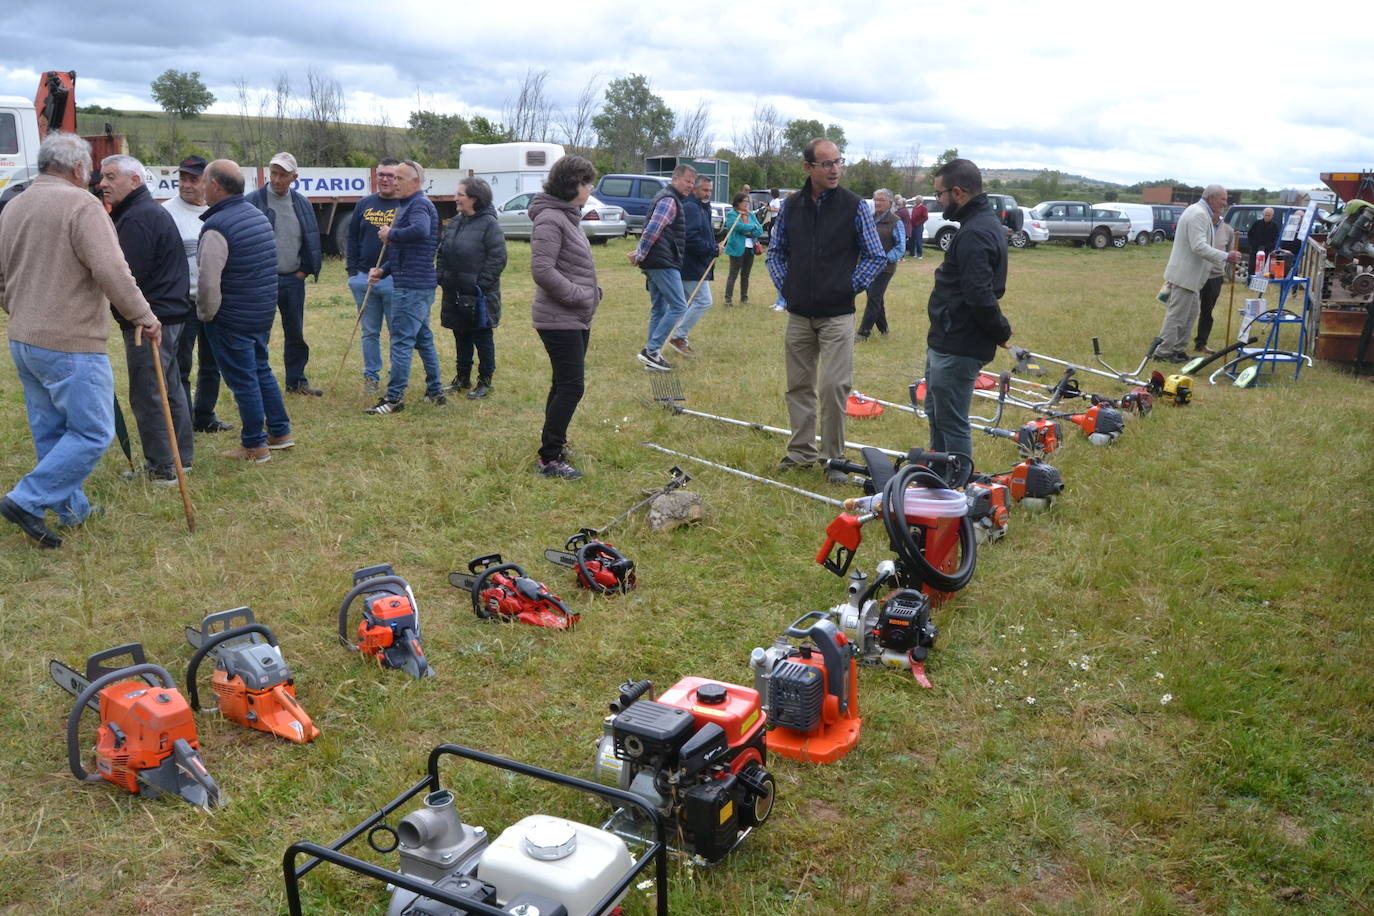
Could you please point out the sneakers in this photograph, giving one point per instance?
(681, 345)
(460, 383)
(482, 390)
(385, 406)
(860, 336)
(214, 426)
(654, 361)
(729, 302)
(161, 477)
(789, 464)
(836, 477)
(558, 468)
(304, 388)
(437, 399)
(779, 308)
(280, 442)
(32, 525)
(244, 453)
(371, 385)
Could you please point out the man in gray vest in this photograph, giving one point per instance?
(892, 234)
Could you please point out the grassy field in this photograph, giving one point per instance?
(1154, 698)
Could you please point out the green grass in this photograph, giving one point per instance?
(1218, 553)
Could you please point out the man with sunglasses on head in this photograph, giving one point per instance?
(824, 250)
(966, 322)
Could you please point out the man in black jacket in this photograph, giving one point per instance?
(153, 248)
(966, 323)
(1263, 236)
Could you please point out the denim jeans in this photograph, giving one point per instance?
(567, 351)
(291, 304)
(410, 331)
(243, 361)
(378, 307)
(194, 344)
(696, 307)
(70, 403)
(949, 394)
(483, 340)
(667, 302)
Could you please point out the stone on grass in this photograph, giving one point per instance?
(680, 507)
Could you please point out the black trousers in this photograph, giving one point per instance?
(194, 343)
(740, 265)
(875, 312)
(567, 351)
(1208, 296)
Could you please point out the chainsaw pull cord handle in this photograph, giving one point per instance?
(480, 584)
(376, 584)
(85, 697)
(903, 541)
(210, 645)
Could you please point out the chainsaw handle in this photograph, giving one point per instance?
(480, 582)
(142, 670)
(210, 645)
(397, 586)
(134, 650)
(232, 618)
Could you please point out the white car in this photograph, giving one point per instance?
(599, 221)
(1031, 233)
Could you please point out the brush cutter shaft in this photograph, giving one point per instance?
(722, 467)
(777, 429)
(1128, 380)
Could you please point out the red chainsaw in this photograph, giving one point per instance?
(251, 679)
(600, 568)
(502, 591)
(146, 743)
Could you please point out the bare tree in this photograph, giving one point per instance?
(323, 139)
(252, 142)
(529, 116)
(762, 139)
(576, 122)
(282, 115)
(381, 136)
(693, 135)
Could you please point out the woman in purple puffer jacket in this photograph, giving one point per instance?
(565, 300)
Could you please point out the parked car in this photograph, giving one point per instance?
(1142, 217)
(632, 194)
(1077, 222)
(1166, 221)
(1031, 233)
(1115, 219)
(940, 231)
(600, 221)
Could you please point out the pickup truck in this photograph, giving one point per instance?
(1077, 221)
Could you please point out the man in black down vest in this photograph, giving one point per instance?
(824, 250)
(966, 323)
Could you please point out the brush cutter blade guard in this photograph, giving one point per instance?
(862, 408)
(502, 591)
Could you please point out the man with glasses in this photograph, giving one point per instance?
(364, 247)
(824, 250)
(966, 322)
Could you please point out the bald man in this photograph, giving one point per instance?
(1193, 252)
(1263, 236)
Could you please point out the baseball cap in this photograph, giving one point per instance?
(194, 165)
(285, 160)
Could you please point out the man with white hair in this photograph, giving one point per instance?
(1187, 270)
(892, 234)
(152, 247)
(60, 268)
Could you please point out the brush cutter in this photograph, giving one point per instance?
(600, 568)
(389, 631)
(251, 679)
(502, 591)
(895, 631)
(1129, 378)
(1032, 484)
(146, 743)
(862, 407)
(698, 754)
(811, 691)
(667, 392)
(747, 476)
(1037, 437)
(1068, 387)
(1025, 358)
(1102, 423)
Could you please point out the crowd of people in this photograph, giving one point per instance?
(204, 276)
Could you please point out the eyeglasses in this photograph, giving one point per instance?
(939, 193)
(829, 164)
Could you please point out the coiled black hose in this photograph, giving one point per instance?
(908, 544)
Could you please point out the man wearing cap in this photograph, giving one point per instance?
(152, 247)
(298, 256)
(186, 209)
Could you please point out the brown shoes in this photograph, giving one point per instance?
(244, 453)
(279, 442)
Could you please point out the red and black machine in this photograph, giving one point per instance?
(502, 591)
(389, 631)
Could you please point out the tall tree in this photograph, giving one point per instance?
(802, 131)
(762, 140)
(693, 134)
(948, 155)
(633, 123)
(181, 94)
(531, 112)
(576, 122)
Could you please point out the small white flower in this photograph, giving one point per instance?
(1073, 664)
(995, 668)
(1030, 701)
(1159, 675)
(1166, 699)
(1024, 663)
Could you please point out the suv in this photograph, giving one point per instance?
(1076, 221)
(940, 231)
(1166, 221)
(630, 193)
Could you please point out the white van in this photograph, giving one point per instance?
(510, 168)
(1142, 217)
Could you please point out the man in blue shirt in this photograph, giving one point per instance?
(364, 248)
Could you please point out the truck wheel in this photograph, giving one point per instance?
(1143, 238)
(1119, 241)
(339, 236)
(944, 238)
(1019, 239)
(1158, 235)
(1100, 238)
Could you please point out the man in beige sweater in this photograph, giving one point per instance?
(60, 269)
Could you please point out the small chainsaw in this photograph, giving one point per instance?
(599, 566)
(389, 631)
(251, 679)
(146, 743)
(502, 591)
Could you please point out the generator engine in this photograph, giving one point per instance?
(895, 631)
(697, 753)
(811, 690)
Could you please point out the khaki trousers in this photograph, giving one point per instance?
(819, 353)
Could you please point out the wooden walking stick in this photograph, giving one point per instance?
(171, 430)
(357, 321)
(709, 267)
(1231, 306)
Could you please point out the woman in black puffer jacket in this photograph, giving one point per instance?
(472, 255)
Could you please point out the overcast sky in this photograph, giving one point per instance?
(1248, 94)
